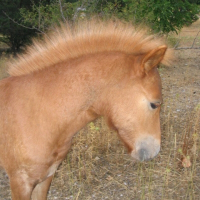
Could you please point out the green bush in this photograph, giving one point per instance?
(20, 20)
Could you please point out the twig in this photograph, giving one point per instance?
(31, 28)
(179, 48)
(39, 15)
(61, 11)
(177, 42)
(195, 39)
(192, 46)
(79, 8)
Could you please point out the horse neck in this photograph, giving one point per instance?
(75, 91)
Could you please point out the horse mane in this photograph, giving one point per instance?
(85, 37)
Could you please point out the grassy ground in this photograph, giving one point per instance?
(98, 167)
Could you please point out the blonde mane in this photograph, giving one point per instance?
(67, 42)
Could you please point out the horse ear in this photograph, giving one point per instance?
(153, 58)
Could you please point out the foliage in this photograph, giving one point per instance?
(13, 34)
(172, 15)
(22, 18)
(43, 16)
(162, 16)
(105, 8)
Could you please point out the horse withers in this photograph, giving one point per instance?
(75, 75)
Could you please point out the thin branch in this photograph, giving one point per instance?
(31, 28)
(39, 17)
(192, 46)
(79, 8)
(195, 39)
(61, 11)
(176, 45)
(179, 48)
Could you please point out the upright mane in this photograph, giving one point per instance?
(88, 37)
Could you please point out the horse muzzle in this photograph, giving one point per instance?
(146, 149)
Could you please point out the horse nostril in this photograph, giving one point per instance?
(143, 154)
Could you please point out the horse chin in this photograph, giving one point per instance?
(146, 149)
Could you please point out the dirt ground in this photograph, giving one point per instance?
(98, 167)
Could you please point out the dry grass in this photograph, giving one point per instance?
(98, 167)
(188, 37)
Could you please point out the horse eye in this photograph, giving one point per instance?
(153, 105)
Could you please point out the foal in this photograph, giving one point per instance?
(92, 69)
